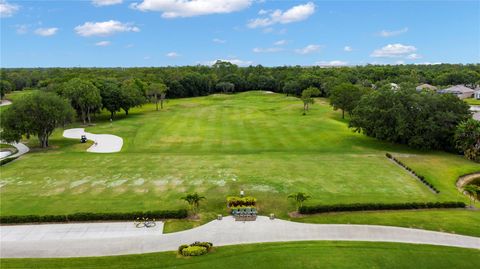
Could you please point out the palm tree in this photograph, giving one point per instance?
(193, 199)
(473, 191)
(299, 198)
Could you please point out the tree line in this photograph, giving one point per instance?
(422, 120)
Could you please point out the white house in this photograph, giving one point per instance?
(460, 91)
(426, 87)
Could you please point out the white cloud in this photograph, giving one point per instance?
(103, 43)
(263, 12)
(428, 63)
(101, 3)
(331, 63)
(219, 41)
(191, 8)
(21, 29)
(266, 50)
(386, 33)
(104, 28)
(7, 9)
(46, 31)
(414, 56)
(172, 54)
(129, 46)
(394, 51)
(308, 49)
(399, 62)
(294, 14)
(231, 60)
(347, 48)
(280, 42)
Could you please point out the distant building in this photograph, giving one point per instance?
(426, 87)
(476, 95)
(460, 91)
(394, 86)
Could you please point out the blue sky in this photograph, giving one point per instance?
(109, 33)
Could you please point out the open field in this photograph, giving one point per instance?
(281, 255)
(472, 101)
(217, 145)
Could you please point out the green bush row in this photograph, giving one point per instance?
(377, 206)
(241, 201)
(422, 178)
(165, 214)
(7, 160)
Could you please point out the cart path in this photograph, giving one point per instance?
(105, 143)
(106, 239)
(22, 149)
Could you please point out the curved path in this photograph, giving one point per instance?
(106, 239)
(21, 149)
(5, 103)
(105, 143)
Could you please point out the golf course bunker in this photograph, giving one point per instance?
(103, 143)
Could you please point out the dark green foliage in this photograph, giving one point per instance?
(225, 87)
(132, 94)
(346, 97)
(111, 95)
(377, 206)
(35, 114)
(165, 214)
(7, 160)
(84, 97)
(420, 120)
(467, 139)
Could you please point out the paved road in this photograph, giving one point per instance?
(62, 240)
(105, 143)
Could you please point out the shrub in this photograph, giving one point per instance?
(194, 251)
(241, 201)
(206, 245)
(377, 206)
(85, 216)
(7, 160)
(422, 178)
(181, 247)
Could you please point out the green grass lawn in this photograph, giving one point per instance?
(472, 101)
(458, 221)
(218, 145)
(280, 255)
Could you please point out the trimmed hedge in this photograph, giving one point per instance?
(241, 201)
(7, 160)
(420, 177)
(165, 214)
(377, 206)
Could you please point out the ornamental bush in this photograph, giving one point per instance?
(194, 251)
(241, 201)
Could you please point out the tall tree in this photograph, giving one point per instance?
(299, 198)
(84, 97)
(345, 97)
(467, 139)
(307, 97)
(5, 87)
(132, 95)
(157, 91)
(225, 87)
(193, 199)
(35, 114)
(111, 95)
